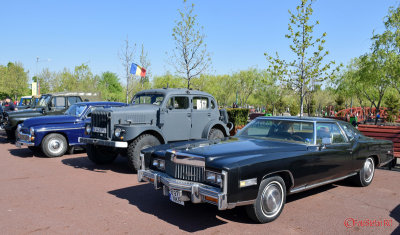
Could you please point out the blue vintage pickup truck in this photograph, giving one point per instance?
(54, 135)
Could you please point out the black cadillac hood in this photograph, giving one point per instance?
(234, 149)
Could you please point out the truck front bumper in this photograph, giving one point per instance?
(193, 191)
(108, 143)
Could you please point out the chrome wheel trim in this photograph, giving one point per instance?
(272, 199)
(55, 146)
(368, 170)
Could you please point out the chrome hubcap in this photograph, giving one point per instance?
(368, 170)
(271, 199)
(55, 146)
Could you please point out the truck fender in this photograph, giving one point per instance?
(211, 124)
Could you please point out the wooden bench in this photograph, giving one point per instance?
(385, 133)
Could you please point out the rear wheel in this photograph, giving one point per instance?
(215, 134)
(10, 134)
(135, 148)
(101, 154)
(270, 200)
(54, 145)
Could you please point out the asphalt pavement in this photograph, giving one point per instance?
(71, 195)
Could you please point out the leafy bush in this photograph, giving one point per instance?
(238, 116)
(393, 105)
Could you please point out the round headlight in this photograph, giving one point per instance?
(88, 129)
(32, 131)
(117, 132)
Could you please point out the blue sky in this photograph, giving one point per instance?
(70, 33)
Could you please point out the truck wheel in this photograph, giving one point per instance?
(54, 145)
(134, 148)
(215, 134)
(101, 154)
(366, 174)
(270, 200)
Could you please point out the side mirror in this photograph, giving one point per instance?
(170, 107)
(326, 141)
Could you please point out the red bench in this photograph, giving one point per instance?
(383, 132)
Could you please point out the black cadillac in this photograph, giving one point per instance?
(268, 159)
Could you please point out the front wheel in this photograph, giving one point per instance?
(366, 174)
(215, 134)
(54, 145)
(101, 154)
(135, 148)
(270, 200)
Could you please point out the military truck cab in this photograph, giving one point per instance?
(156, 116)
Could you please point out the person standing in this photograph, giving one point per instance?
(9, 105)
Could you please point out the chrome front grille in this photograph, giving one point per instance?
(185, 172)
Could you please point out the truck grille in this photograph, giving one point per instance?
(185, 172)
(100, 120)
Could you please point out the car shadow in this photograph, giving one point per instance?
(395, 214)
(191, 217)
(22, 152)
(120, 165)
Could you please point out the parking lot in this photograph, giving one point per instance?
(71, 195)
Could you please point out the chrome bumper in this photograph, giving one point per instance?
(109, 143)
(23, 139)
(197, 192)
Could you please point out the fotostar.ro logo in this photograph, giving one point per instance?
(351, 222)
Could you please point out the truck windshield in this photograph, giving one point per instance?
(76, 110)
(44, 100)
(155, 99)
(281, 130)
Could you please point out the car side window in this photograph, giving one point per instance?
(331, 131)
(349, 131)
(178, 102)
(58, 102)
(200, 103)
(213, 104)
(72, 100)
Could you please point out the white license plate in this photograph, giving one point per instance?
(175, 195)
(99, 130)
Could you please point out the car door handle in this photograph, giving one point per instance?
(189, 114)
(209, 114)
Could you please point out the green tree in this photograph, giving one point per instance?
(14, 80)
(392, 102)
(168, 80)
(110, 87)
(308, 68)
(190, 57)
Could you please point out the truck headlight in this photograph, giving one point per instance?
(117, 132)
(214, 178)
(88, 129)
(159, 163)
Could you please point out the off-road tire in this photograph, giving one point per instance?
(54, 145)
(215, 134)
(134, 148)
(272, 186)
(101, 154)
(366, 174)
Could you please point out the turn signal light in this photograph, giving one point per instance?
(211, 199)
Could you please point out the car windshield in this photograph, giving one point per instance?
(76, 110)
(44, 100)
(282, 130)
(155, 99)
